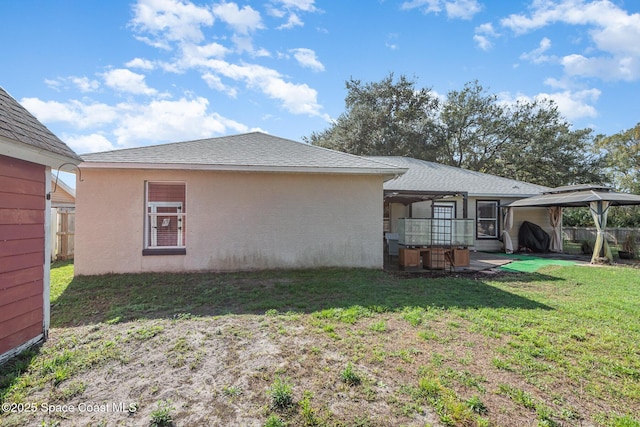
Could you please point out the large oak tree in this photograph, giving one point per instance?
(470, 128)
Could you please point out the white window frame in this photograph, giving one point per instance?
(153, 218)
(151, 215)
(495, 220)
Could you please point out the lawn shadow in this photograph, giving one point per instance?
(117, 298)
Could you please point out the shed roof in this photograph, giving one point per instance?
(254, 151)
(423, 176)
(19, 126)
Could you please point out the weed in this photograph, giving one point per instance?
(519, 396)
(308, 413)
(428, 335)
(362, 421)
(413, 315)
(161, 416)
(350, 376)
(430, 388)
(501, 364)
(477, 406)
(146, 332)
(281, 393)
(75, 388)
(379, 326)
(274, 421)
(231, 391)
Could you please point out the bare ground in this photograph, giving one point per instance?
(217, 372)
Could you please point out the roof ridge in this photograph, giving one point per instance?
(458, 168)
(166, 144)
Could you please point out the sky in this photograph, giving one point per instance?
(105, 75)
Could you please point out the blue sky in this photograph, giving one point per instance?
(113, 74)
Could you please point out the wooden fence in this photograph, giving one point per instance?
(63, 238)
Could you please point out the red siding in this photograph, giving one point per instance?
(22, 251)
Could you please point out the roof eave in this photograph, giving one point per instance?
(30, 153)
(390, 172)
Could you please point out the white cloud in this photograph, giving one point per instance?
(243, 21)
(293, 21)
(171, 20)
(79, 114)
(290, 8)
(537, 55)
(215, 82)
(84, 84)
(613, 31)
(307, 58)
(606, 68)
(143, 64)
(133, 124)
(54, 84)
(295, 98)
(124, 80)
(84, 144)
(461, 9)
(245, 44)
(164, 120)
(195, 55)
(430, 6)
(572, 104)
(483, 35)
(304, 5)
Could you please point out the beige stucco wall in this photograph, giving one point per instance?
(537, 216)
(235, 221)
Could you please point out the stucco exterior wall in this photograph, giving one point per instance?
(235, 221)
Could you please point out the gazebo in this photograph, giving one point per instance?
(597, 198)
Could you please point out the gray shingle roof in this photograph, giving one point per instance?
(18, 124)
(428, 176)
(250, 151)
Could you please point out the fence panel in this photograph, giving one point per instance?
(614, 235)
(65, 234)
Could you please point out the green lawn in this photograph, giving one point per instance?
(338, 347)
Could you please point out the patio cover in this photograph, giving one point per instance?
(598, 198)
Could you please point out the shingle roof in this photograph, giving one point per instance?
(250, 151)
(18, 124)
(428, 176)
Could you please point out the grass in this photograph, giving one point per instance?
(556, 347)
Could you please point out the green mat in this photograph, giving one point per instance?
(531, 264)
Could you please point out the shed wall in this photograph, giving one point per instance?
(234, 221)
(22, 244)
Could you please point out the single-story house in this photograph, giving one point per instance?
(432, 190)
(28, 152)
(63, 208)
(250, 201)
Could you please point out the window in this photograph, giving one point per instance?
(165, 218)
(487, 224)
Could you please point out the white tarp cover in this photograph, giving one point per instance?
(555, 219)
(600, 211)
(507, 226)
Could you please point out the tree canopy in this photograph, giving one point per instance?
(622, 158)
(386, 118)
(470, 128)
